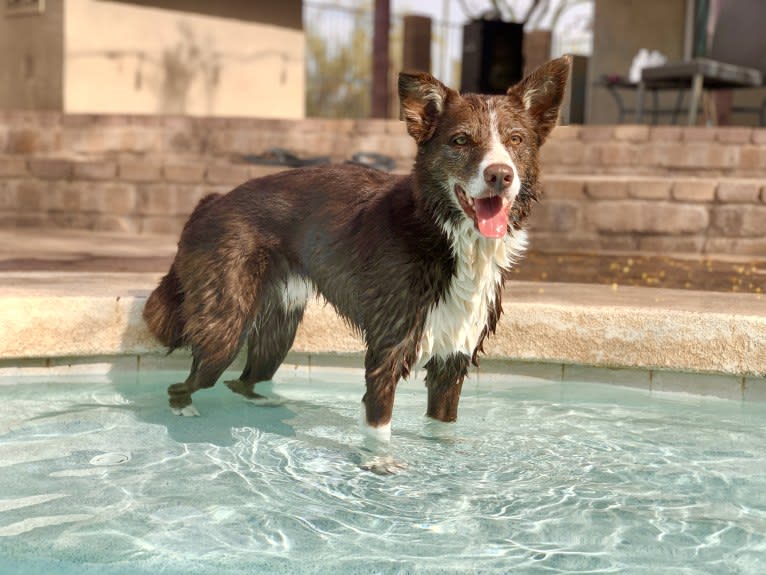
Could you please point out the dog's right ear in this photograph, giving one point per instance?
(422, 98)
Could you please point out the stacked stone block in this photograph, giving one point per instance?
(625, 188)
(711, 215)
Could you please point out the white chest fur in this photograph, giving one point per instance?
(455, 323)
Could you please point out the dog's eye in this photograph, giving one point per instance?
(516, 139)
(459, 140)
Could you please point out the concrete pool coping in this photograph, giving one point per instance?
(700, 342)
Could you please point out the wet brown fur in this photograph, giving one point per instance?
(372, 244)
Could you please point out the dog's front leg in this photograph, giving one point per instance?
(444, 380)
(382, 373)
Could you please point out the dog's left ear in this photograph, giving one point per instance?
(541, 93)
(422, 98)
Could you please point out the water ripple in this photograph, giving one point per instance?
(548, 479)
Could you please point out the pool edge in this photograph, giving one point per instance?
(54, 316)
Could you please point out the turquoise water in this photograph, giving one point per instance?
(97, 477)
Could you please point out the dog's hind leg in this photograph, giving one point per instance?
(204, 374)
(444, 380)
(271, 337)
(217, 308)
(210, 358)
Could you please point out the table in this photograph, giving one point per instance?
(695, 75)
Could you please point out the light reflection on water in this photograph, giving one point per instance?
(96, 476)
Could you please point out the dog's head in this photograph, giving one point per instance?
(478, 155)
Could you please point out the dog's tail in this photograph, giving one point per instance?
(163, 310)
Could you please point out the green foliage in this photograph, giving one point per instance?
(339, 70)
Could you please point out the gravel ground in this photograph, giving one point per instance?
(625, 270)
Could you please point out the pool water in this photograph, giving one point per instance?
(98, 477)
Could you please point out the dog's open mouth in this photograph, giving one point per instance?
(489, 214)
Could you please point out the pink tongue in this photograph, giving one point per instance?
(492, 218)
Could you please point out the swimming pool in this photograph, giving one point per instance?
(97, 476)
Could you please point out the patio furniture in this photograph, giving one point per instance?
(737, 60)
(697, 75)
(618, 86)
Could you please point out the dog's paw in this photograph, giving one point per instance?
(373, 435)
(246, 390)
(436, 430)
(240, 387)
(185, 411)
(383, 465)
(264, 401)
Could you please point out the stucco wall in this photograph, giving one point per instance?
(88, 56)
(124, 58)
(31, 57)
(285, 13)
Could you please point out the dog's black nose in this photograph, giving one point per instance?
(498, 176)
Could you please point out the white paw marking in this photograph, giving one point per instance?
(435, 429)
(382, 433)
(186, 411)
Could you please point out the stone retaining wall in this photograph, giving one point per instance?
(666, 150)
(700, 215)
(635, 188)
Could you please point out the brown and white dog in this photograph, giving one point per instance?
(415, 263)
